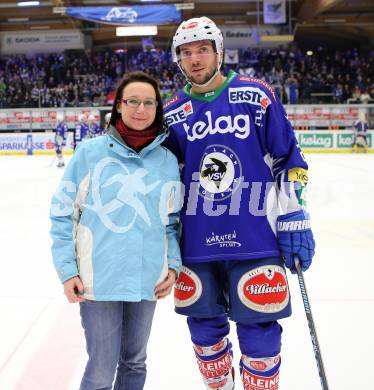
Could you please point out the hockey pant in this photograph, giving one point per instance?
(360, 140)
(259, 344)
(59, 146)
(360, 144)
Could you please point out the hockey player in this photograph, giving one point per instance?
(240, 161)
(360, 130)
(94, 129)
(61, 133)
(81, 130)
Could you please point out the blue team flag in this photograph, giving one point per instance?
(148, 43)
(274, 11)
(137, 14)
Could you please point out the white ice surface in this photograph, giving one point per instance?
(42, 344)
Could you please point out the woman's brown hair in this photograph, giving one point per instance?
(142, 77)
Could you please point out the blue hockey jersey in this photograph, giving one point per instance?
(235, 145)
(94, 130)
(361, 127)
(61, 133)
(81, 132)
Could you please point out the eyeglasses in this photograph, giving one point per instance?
(135, 103)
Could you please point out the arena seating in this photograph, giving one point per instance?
(86, 78)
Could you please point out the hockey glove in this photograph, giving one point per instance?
(295, 238)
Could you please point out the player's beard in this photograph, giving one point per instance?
(208, 76)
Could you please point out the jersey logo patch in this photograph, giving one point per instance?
(187, 289)
(179, 114)
(215, 171)
(250, 95)
(171, 101)
(264, 289)
(220, 172)
(225, 240)
(238, 125)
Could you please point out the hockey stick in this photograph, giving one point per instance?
(312, 329)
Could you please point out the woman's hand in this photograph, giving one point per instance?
(163, 289)
(73, 289)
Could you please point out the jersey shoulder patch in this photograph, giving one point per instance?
(255, 83)
(174, 101)
(249, 90)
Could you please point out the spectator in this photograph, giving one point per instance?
(117, 285)
(339, 93)
(356, 95)
(76, 78)
(365, 97)
(291, 88)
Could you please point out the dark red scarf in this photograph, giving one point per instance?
(136, 139)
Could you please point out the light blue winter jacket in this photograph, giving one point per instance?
(114, 218)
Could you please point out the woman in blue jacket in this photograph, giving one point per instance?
(114, 231)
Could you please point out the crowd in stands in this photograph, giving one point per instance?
(86, 78)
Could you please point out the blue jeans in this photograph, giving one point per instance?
(117, 334)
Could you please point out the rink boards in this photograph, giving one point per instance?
(32, 143)
(310, 141)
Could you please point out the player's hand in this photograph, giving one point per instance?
(73, 289)
(295, 238)
(163, 289)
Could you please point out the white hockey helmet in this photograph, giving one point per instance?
(91, 117)
(362, 116)
(60, 116)
(107, 117)
(81, 118)
(194, 30)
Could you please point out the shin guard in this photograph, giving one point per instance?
(215, 364)
(260, 373)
